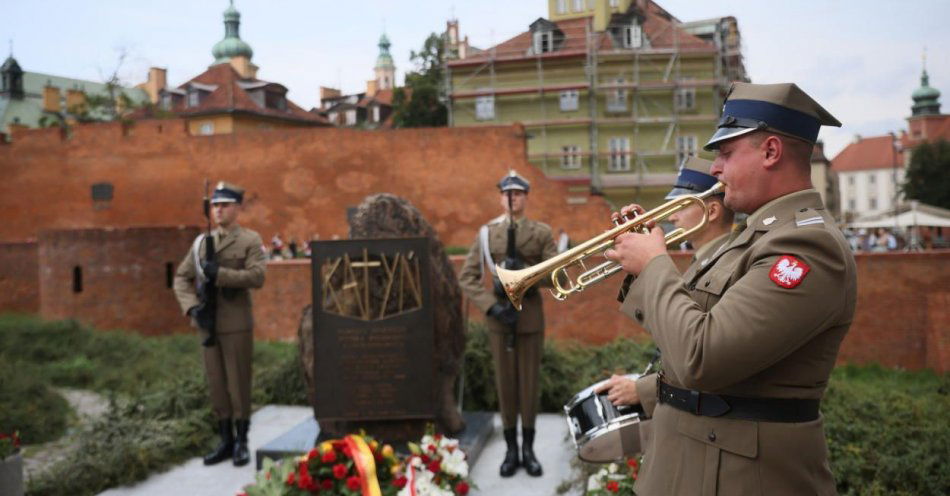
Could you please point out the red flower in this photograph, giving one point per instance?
(338, 445)
(461, 488)
(291, 478)
(425, 458)
(327, 484)
(267, 475)
(400, 481)
(613, 486)
(305, 482)
(432, 448)
(434, 467)
(339, 471)
(632, 463)
(353, 483)
(328, 457)
(438, 437)
(312, 454)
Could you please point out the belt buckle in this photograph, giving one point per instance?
(692, 404)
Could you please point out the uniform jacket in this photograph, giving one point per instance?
(242, 267)
(730, 328)
(535, 243)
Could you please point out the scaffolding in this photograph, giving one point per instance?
(647, 80)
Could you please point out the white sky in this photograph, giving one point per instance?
(860, 59)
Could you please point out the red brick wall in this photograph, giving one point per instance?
(901, 318)
(124, 283)
(19, 278)
(299, 182)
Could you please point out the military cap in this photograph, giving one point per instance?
(227, 193)
(781, 108)
(513, 181)
(693, 178)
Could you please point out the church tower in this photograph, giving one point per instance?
(385, 69)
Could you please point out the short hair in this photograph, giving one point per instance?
(798, 150)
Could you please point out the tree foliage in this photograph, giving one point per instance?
(420, 102)
(928, 174)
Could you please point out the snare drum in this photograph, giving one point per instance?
(601, 431)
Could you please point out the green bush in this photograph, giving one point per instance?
(28, 405)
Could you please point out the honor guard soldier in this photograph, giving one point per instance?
(693, 179)
(750, 338)
(232, 266)
(516, 338)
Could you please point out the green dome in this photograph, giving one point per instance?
(926, 98)
(385, 59)
(232, 45)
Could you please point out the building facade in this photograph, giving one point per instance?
(370, 109)
(228, 97)
(870, 171)
(613, 94)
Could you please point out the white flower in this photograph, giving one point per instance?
(454, 463)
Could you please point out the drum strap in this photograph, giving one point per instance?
(720, 405)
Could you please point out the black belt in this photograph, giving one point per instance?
(720, 405)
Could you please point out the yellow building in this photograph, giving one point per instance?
(613, 94)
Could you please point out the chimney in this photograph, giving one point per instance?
(857, 138)
(371, 88)
(51, 98)
(328, 93)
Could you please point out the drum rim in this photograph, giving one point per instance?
(606, 430)
(577, 398)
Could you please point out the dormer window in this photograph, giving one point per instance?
(632, 36)
(543, 41)
(194, 98)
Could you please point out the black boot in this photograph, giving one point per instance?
(528, 460)
(226, 448)
(511, 463)
(241, 455)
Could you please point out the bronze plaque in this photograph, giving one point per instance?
(372, 321)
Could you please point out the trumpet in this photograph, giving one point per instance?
(516, 282)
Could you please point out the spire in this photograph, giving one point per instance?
(385, 59)
(232, 45)
(926, 99)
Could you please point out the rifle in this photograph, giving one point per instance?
(514, 262)
(206, 313)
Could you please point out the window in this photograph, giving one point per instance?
(578, 5)
(684, 98)
(102, 192)
(685, 147)
(571, 157)
(167, 101)
(619, 159)
(375, 113)
(569, 100)
(873, 203)
(193, 98)
(613, 3)
(351, 117)
(77, 279)
(485, 107)
(543, 41)
(561, 6)
(852, 205)
(617, 99)
(850, 180)
(871, 178)
(632, 36)
(206, 128)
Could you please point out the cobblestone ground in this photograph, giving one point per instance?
(87, 406)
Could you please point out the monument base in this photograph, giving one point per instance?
(304, 436)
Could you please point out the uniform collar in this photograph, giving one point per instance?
(710, 247)
(782, 209)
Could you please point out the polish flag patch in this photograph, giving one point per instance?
(788, 272)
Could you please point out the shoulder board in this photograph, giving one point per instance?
(497, 220)
(808, 217)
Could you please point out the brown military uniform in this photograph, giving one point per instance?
(646, 385)
(516, 373)
(228, 363)
(731, 328)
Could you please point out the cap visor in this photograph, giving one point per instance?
(678, 192)
(223, 200)
(723, 134)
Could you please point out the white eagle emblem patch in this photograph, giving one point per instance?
(788, 272)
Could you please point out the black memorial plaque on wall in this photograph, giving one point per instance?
(372, 321)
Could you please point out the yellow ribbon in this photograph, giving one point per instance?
(365, 464)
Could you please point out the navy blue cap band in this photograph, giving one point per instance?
(226, 196)
(777, 117)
